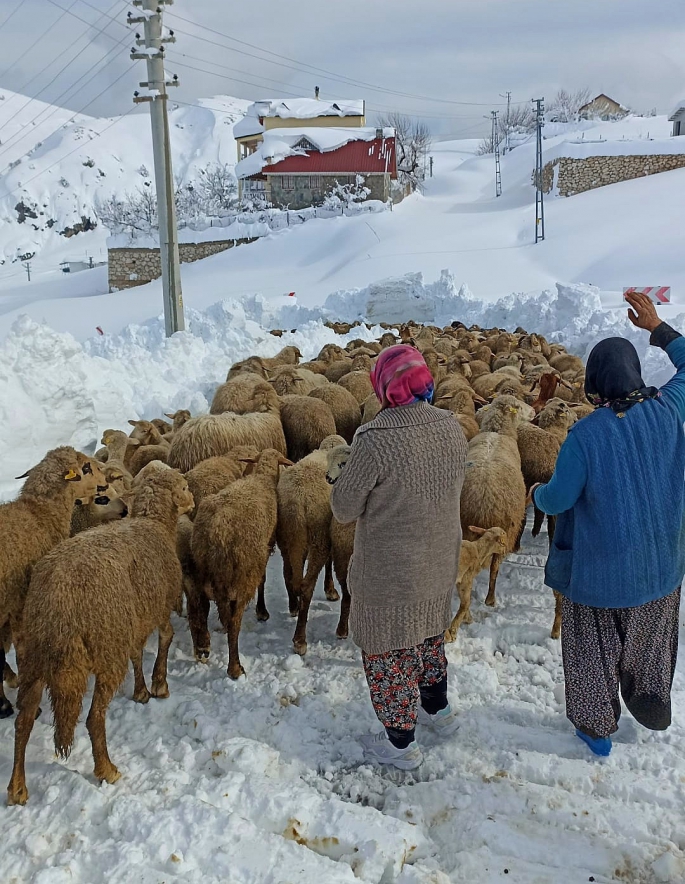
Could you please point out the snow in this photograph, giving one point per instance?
(261, 781)
(277, 144)
(308, 108)
(677, 110)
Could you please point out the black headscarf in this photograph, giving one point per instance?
(613, 376)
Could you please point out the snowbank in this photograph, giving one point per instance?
(60, 391)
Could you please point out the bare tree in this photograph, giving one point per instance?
(565, 105)
(413, 142)
(520, 121)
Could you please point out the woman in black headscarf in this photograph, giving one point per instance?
(618, 554)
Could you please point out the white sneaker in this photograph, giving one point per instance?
(444, 722)
(378, 748)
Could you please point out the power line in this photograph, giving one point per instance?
(13, 13)
(312, 68)
(29, 49)
(49, 113)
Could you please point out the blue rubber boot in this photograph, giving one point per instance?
(599, 745)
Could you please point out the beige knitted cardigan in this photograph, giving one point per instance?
(402, 484)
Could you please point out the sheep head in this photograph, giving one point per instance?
(493, 539)
(61, 469)
(337, 458)
(163, 494)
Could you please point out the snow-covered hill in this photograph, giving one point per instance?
(54, 165)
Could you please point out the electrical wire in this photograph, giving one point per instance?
(12, 14)
(78, 147)
(33, 45)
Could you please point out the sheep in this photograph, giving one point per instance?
(358, 383)
(103, 509)
(494, 493)
(35, 522)
(473, 557)
(287, 356)
(370, 408)
(216, 473)
(9, 676)
(564, 362)
(119, 447)
(343, 405)
(539, 447)
(232, 536)
(146, 433)
(92, 603)
(210, 435)
(388, 339)
(460, 403)
(290, 380)
(303, 532)
(306, 422)
(164, 428)
(179, 418)
(245, 394)
(581, 409)
(251, 365)
(342, 540)
(338, 369)
(489, 385)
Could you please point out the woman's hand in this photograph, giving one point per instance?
(529, 499)
(643, 314)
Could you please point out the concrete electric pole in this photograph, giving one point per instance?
(539, 195)
(495, 150)
(151, 19)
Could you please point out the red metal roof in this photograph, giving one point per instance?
(354, 157)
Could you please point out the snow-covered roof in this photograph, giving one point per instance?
(603, 99)
(296, 109)
(281, 143)
(678, 110)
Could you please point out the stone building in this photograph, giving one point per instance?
(296, 167)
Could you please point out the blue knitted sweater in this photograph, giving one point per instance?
(619, 493)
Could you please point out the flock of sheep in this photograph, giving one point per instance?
(99, 550)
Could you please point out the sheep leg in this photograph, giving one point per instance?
(517, 544)
(494, 571)
(262, 612)
(29, 703)
(316, 561)
(556, 628)
(5, 706)
(293, 568)
(343, 623)
(329, 586)
(231, 614)
(198, 612)
(551, 528)
(140, 691)
(9, 676)
(160, 688)
(463, 615)
(95, 724)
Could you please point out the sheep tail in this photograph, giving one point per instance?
(67, 687)
(538, 519)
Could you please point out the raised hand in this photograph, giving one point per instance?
(643, 314)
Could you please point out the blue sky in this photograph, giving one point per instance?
(448, 51)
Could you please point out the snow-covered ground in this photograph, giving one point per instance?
(261, 781)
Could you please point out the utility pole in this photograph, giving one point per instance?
(495, 149)
(507, 95)
(539, 196)
(151, 19)
(431, 166)
(27, 268)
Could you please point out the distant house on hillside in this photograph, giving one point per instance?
(297, 167)
(678, 119)
(602, 108)
(268, 114)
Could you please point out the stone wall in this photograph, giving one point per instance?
(576, 176)
(129, 267)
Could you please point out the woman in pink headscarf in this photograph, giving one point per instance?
(402, 484)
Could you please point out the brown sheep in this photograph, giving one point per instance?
(473, 557)
(232, 537)
(245, 394)
(371, 407)
(35, 522)
(287, 356)
(120, 448)
(290, 380)
(358, 383)
(494, 493)
(303, 532)
(179, 418)
(306, 423)
(345, 408)
(342, 540)
(211, 435)
(216, 473)
(338, 369)
(164, 427)
(251, 365)
(72, 631)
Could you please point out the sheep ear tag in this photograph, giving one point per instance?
(71, 475)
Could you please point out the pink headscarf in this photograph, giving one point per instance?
(401, 376)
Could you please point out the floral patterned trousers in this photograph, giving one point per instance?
(631, 650)
(399, 680)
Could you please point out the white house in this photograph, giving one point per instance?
(678, 118)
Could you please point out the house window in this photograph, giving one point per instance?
(288, 182)
(305, 144)
(303, 181)
(316, 182)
